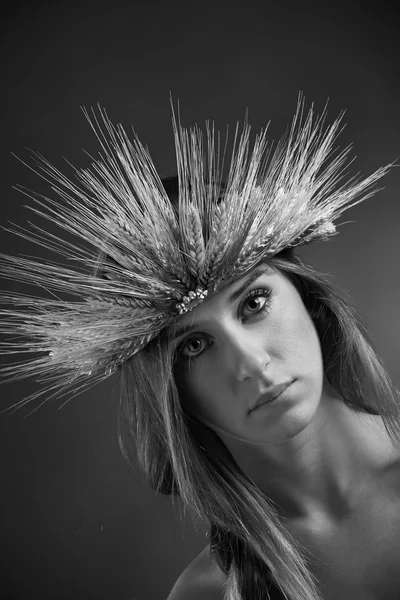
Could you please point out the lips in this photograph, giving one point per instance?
(271, 394)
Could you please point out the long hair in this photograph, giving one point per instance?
(178, 455)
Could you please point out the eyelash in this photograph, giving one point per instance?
(257, 293)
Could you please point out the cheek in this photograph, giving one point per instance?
(191, 385)
(301, 337)
(202, 391)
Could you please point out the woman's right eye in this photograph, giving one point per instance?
(192, 347)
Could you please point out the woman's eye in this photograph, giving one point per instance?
(192, 347)
(257, 301)
(255, 304)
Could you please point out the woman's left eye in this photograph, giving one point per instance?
(192, 347)
(257, 302)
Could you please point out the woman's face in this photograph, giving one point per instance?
(255, 333)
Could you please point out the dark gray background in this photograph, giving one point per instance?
(76, 523)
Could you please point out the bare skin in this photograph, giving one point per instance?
(353, 544)
(333, 473)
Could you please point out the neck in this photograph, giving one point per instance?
(320, 469)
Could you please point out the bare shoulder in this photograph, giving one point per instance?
(201, 580)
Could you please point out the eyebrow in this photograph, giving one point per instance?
(247, 283)
(234, 296)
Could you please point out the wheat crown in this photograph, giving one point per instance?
(139, 262)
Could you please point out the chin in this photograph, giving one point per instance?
(293, 416)
(303, 413)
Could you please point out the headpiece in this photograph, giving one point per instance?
(150, 261)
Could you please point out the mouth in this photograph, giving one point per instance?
(273, 394)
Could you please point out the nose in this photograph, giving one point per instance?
(245, 356)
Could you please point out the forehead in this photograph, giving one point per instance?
(228, 293)
(234, 287)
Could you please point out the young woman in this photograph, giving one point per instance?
(285, 399)
(250, 390)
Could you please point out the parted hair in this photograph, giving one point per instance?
(179, 455)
